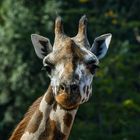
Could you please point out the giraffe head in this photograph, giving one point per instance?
(71, 63)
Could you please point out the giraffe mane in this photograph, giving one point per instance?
(22, 125)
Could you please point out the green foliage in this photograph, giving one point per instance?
(113, 112)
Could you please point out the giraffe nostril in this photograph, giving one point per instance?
(76, 76)
(74, 87)
(62, 87)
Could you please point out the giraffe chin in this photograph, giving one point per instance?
(67, 102)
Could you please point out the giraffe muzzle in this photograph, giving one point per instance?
(68, 96)
(69, 89)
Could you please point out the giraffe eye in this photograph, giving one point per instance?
(92, 68)
(47, 67)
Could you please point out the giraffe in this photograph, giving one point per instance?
(71, 65)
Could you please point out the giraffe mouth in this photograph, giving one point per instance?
(68, 101)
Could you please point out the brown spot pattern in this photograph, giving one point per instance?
(35, 122)
(51, 132)
(49, 97)
(16, 135)
(55, 106)
(83, 100)
(67, 119)
(87, 91)
(84, 88)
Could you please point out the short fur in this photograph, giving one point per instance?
(22, 125)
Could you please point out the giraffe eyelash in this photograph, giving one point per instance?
(92, 68)
(47, 68)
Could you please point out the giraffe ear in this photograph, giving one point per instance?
(41, 45)
(100, 45)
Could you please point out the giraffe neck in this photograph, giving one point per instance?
(49, 121)
(61, 122)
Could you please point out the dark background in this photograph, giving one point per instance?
(113, 112)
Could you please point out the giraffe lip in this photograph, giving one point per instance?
(64, 94)
(61, 93)
(67, 101)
